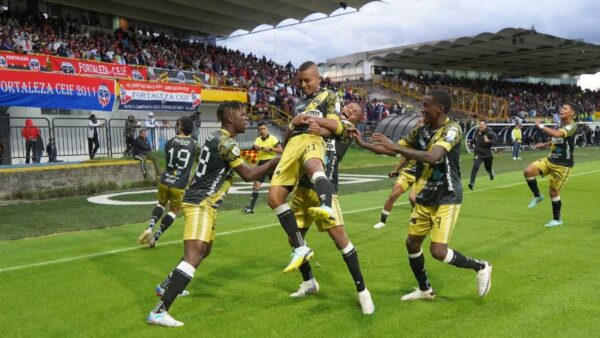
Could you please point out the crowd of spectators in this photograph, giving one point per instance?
(526, 101)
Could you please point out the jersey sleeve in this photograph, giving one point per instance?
(450, 137)
(333, 105)
(410, 140)
(569, 130)
(230, 153)
(344, 134)
(274, 142)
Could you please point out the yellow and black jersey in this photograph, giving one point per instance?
(269, 142)
(219, 155)
(180, 153)
(440, 181)
(323, 103)
(561, 152)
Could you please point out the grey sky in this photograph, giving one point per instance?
(400, 22)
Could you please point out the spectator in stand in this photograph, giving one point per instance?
(142, 152)
(93, 136)
(129, 132)
(51, 151)
(517, 137)
(30, 133)
(597, 135)
(38, 149)
(164, 133)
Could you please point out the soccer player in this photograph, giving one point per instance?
(558, 164)
(305, 197)
(483, 140)
(267, 146)
(180, 153)
(436, 147)
(219, 158)
(303, 155)
(406, 179)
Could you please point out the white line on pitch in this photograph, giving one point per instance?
(115, 251)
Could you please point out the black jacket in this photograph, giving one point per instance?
(483, 149)
(141, 146)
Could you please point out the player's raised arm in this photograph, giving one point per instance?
(432, 156)
(250, 174)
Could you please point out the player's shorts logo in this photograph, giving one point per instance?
(3, 62)
(34, 64)
(103, 95)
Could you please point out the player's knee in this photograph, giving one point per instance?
(438, 252)
(412, 245)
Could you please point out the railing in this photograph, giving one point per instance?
(269, 112)
(475, 105)
(71, 137)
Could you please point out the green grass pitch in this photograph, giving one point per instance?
(98, 282)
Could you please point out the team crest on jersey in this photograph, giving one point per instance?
(451, 135)
(235, 151)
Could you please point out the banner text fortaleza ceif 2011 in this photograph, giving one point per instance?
(87, 67)
(138, 95)
(47, 90)
(33, 62)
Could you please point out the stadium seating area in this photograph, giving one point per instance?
(525, 100)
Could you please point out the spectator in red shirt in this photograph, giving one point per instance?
(30, 133)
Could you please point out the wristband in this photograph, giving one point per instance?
(541, 126)
(291, 126)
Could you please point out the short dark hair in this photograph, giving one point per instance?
(306, 65)
(186, 125)
(262, 123)
(442, 98)
(228, 107)
(572, 105)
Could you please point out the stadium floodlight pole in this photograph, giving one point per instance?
(284, 26)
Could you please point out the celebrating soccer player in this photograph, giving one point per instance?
(219, 158)
(436, 147)
(305, 197)
(558, 164)
(180, 153)
(303, 155)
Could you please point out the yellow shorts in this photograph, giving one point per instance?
(305, 198)
(201, 219)
(438, 220)
(558, 173)
(170, 195)
(405, 180)
(298, 150)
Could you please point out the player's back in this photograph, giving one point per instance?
(180, 153)
(218, 154)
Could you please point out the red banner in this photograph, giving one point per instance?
(87, 67)
(137, 95)
(34, 62)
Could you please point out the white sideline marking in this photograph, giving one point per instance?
(138, 247)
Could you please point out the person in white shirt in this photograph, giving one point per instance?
(151, 124)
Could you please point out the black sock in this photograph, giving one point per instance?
(164, 225)
(253, 200)
(351, 258)
(417, 265)
(180, 278)
(156, 214)
(306, 271)
(556, 205)
(384, 216)
(532, 183)
(461, 261)
(324, 189)
(167, 280)
(288, 222)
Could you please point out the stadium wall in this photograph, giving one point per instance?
(39, 182)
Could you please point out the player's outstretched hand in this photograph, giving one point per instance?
(539, 146)
(357, 136)
(393, 174)
(383, 140)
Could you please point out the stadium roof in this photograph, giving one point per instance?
(511, 51)
(217, 17)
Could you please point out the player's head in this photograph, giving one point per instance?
(567, 111)
(232, 114)
(309, 78)
(435, 104)
(352, 112)
(263, 129)
(482, 125)
(186, 125)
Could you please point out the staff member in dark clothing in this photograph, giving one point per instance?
(483, 140)
(141, 152)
